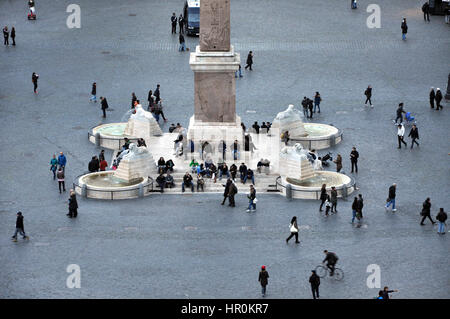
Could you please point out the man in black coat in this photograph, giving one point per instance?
(426, 11)
(104, 105)
(227, 189)
(19, 227)
(426, 211)
(354, 159)
(438, 99)
(368, 94)
(314, 280)
(263, 279)
(432, 97)
(181, 23)
(73, 205)
(6, 36)
(157, 94)
(399, 113)
(310, 107)
(249, 60)
(173, 19)
(414, 134)
(331, 259)
(93, 165)
(391, 197)
(231, 193)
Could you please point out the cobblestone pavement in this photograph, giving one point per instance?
(190, 246)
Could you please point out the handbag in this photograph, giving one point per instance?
(255, 201)
(292, 228)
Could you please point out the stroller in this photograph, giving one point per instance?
(32, 14)
(327, 157)
(409, 119)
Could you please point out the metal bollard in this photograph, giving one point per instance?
(344, 191)
(332, 140)
(141, 190)
(97, 139)
(289, 191)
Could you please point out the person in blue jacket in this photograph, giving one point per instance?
(62, 160)
(53, 165)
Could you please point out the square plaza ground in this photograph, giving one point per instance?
(191, 246)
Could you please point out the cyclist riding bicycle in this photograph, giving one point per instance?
(331, 260)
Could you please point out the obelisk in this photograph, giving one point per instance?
(214, 63)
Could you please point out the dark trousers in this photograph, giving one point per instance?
(355, 166)
(174, 28)
(292, 235)
(438, 105)
(331, 267)
(400, 140)
(63, 186)
(6, 42)
(310, 113)
(231, 200)
(14, 40)
(333, 207)
(54, 173)
(224, 199)
(249, 66)
(104, 112)
(199, 186)
(35, 86)
(181, 28)
(315, 291)
(368, 100)
(425, 216)
(432, 104)
(426, 16)
(414, 141)
(399, 117)
(321, 204)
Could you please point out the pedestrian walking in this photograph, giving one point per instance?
(404, 28)
(314, 280)
(317, 100)
(13, 35)
(391, 197)
(227, 189)
(368, 94)
(354, 209)
(240, 75)
(333, 199)
(73, 205)
(54, 166)
(263, 280)
(104, 105)
(426, 211)
(426, 11)
(414, 134)
(173, 19)
(399, 113)
(432, 97)
(249, 61)
(293, 227)
(182, 46)
(157, 93)
(151, 100)
(441, 217)
(5, 36)
(354, 155)
(94, 93)
(252, 199)
(34, 79)
(360, 206)
(232, 191)
(19, 228)
(438, 99)
(338, 162)
(62, 161)
(323, 196)
(60, 176)
(400, 135)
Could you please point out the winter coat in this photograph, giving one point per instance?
(333, 196)
(94, 89)
(252, 194)
(53, 163)
(432, 95)
(104, 104)
(441, 217)
(60, 176)
(263, 277)
(401, 131)
(438, 96)
(314, 280)
(392, 190)
(73, 205)
(323, 194)
(426, 208)
(19, 222)
(250, 59)
(232, 190)
(355, 156)
(404, 27)
(414, 133)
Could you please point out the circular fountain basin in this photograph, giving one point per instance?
(319, 136)
(111, 135)
(310, 188)
(104, 185)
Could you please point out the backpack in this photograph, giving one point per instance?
(423, 7)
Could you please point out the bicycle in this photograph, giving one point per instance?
(323, 270)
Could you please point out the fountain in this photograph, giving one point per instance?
(130, 180)
(298, 178)
(140, 124)
(310, 135)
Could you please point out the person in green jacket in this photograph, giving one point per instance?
(53, 165)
